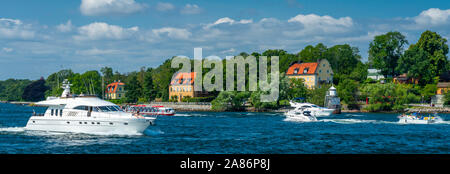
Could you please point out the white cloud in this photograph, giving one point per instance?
(363, 38)
(227, 20)
(96, 52)
(67, 27)
(433, 17)
(174, 33)
(7, 50)
(15, 29)
(191, 9)
(229, 51)
(100, 30)
(105, 7)
(313, 23)
(161, 6)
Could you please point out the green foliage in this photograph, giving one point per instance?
(296, 89)
(161, 79)
(149, 91)
(428, 91)
(347, 90)
(12, 89)
(390, 96)
(317, 95)
(227, 100)
(447, 98)
(312, 53)
(427, 59)
(86, 83)
(255, 99)
(35, 91)
(54, 82)
(134, 90)
(385, 50)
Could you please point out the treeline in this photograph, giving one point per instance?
(425, 60)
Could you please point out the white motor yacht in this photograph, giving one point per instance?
(299, 114)
(315, 110)
(86, 114)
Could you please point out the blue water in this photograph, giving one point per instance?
(234, 133)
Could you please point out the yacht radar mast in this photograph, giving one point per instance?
(66, 86)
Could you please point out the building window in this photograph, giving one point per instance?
(52, 112)
(296, 71)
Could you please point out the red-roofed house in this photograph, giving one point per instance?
(313, 73)
(115, 90)
(182, 85)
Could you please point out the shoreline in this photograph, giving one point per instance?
(193, 107)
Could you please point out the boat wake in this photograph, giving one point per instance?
(12, 129)
(353, 121)
(292, 119)
(182, 115)
(46, 133)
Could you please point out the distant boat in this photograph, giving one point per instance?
(85, 114)
(151, 110)
(415, 118)
(315, 110)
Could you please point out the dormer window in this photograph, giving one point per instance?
(296, 71)
(305, 71)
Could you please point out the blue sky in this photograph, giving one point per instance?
(39, 37)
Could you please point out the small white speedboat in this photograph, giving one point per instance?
(315, 110)
(417, 119)
(300, 115)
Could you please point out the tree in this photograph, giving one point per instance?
(343, 58)
(416, 64)
(107, 73)
(296, 89)
(134, 90)
(35, 91)
(312, 53)
(447, 98)
(12, 89)
(347, 92)
(425, 60)
(385, 50)
(54, 82)
(148, 88)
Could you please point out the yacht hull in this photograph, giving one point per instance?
(321, 112)
(90, 125)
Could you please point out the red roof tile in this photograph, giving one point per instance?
(184, 78)
(111, 88)
(300, 67)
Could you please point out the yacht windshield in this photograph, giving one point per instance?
(112, 108)
(104, 109)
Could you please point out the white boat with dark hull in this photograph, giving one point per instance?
(299, 114)
(86, 114)
(315, 110)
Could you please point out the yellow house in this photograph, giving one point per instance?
(182, 86)
(312, 73)
(442, 88)
(115, 91)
